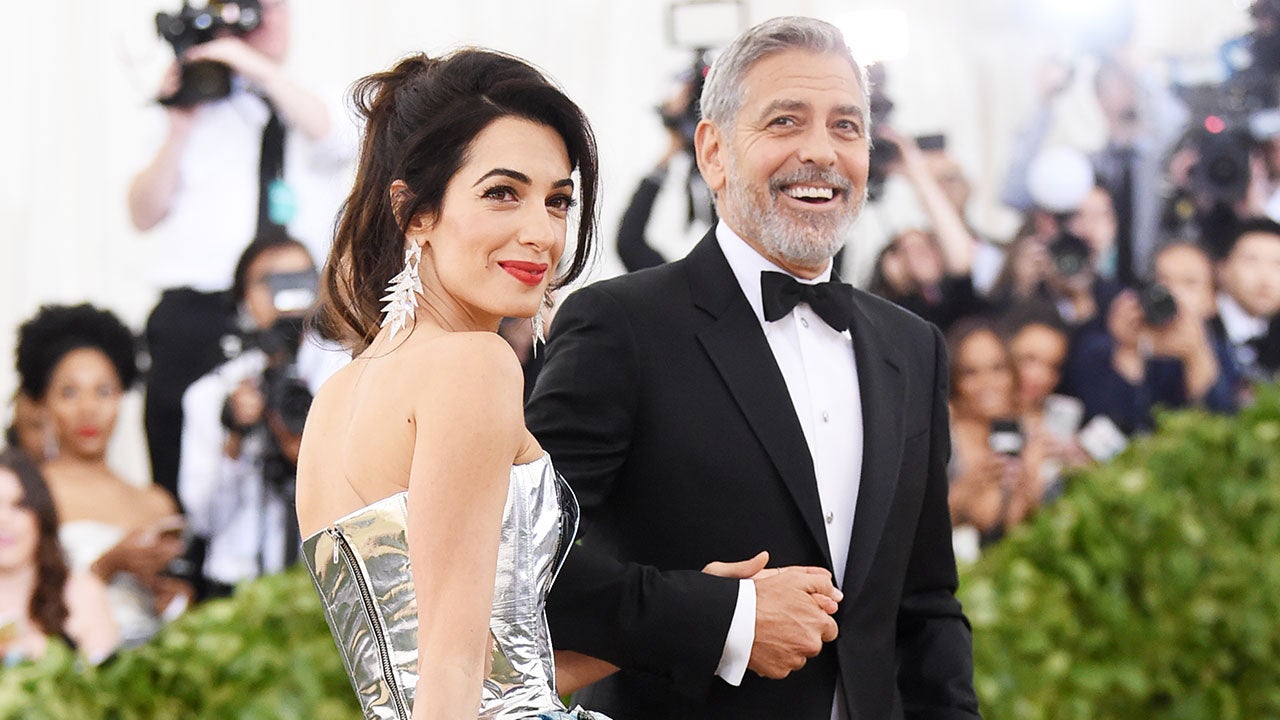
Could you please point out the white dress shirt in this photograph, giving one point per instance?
(818, 366)
(224, 497)
(214, 212)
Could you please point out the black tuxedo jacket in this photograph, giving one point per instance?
(662, 405)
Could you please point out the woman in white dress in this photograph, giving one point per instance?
(77, 362)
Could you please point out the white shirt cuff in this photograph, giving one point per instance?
(742, 635)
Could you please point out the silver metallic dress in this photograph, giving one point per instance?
(360, 565)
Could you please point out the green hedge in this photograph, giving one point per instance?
(263, 654)
(1151, 590)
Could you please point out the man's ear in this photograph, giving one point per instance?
(709, 149)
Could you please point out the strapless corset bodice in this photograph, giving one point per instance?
(360, 565)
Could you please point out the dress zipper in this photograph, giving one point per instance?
(379, 631)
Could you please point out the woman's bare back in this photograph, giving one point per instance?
(359, 441)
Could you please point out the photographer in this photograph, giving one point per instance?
(267, 152)
(938, 264)
(674, 185)
(1143, 120)
(1150, 353)
(244, 421)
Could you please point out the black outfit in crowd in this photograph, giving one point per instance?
(663, 406)
(633, 249)
(1090, 375)
(184, 339)
(953, 299)
(185, 332)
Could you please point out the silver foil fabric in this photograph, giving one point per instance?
(360, 565)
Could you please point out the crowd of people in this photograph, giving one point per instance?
(1144, 290)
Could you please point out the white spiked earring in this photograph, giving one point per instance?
(402, 292)
(537, 321)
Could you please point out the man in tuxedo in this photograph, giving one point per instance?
(1249, 300)
(735, 402)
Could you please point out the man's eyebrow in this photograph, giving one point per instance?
(783, 105)
(505, 172)
(849, 110)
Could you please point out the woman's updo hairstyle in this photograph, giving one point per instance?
(56, 330)
(421, 118)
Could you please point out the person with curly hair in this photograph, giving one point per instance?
(39, 597)
(77, 361)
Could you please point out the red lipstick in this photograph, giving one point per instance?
(526, 272)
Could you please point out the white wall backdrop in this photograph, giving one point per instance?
(78, 74)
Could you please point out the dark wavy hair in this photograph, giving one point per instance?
(421, 118)
(58, 329)
(48, 606)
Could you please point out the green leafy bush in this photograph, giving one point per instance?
(1151, 590)
(264, 654)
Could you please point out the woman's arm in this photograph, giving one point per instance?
(469, 430)
(89, 620)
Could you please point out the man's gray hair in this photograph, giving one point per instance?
(722, 93)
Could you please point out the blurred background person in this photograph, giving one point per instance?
(243, 421)
(77, 362)
(229, 165)
(1150, 354)
(1038, 343)
(938, 263)
(29, 431)
(1144, 121)
(1187, 271)
(674, 183)
(995, 484)
(40, 598)
(1249, 299)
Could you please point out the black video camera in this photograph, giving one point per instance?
(1159, 308)
(685, 122)
(205, 80)
(286, 393)
(1069, 254)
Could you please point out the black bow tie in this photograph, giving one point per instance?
(832, 301)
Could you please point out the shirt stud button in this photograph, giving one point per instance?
(831, 517)
(804, 322)
(826, 416)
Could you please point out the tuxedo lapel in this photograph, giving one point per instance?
(882, 387)
(741, 354)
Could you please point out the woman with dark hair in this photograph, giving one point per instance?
(77, 362)
(434, 522)
(39, 597)
(994, 469)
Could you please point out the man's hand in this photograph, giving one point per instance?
(793, 612)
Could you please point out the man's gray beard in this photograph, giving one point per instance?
(805, 239)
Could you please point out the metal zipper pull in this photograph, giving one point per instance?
(333, 532)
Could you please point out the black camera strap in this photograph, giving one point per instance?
(270, 167)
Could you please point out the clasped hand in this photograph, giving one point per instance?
(794, 606)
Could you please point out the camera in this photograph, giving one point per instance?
(1006, 437)
(286, 393)
(685, 122)
(205, 80)
(1069, 254)
(1159, 307)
